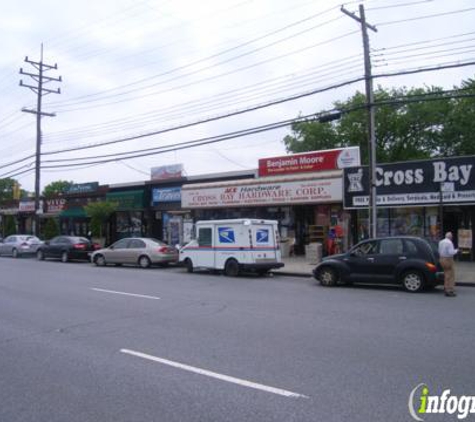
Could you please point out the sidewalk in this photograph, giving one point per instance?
(301, 267)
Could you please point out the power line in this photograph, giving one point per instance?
(418, 18)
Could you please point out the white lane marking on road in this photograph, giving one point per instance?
(211, 374)
(124, 293)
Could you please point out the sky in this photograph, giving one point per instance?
(141, 77)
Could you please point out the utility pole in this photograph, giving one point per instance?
(371, 116)
(40, 91)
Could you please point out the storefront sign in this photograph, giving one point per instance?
(128, 200)
(332, 159)
(29, 206)
(56, 205)
(254, 194)
(9, 211)
(174, 171)
(445, 180)
(166, 195)
(82, 187)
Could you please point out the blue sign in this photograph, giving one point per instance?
(226, 235)
(166, 195)
(262, 236)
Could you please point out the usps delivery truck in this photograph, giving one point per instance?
(234, 246)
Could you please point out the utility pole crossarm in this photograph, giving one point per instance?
(358, 19)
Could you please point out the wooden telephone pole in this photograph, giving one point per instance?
(40, 91)
(371, 116)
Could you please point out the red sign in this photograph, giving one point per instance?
(315, 161)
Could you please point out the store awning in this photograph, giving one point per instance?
(73, 213)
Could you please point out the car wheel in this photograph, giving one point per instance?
(231, 269)
(189, 265)
(15, 253)
(144, 261)
(40, 255)
(413, 281)
(100, 261)
(64, 257)
(328, 276)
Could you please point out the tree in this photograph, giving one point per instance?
(51, 228)
(56, 188)
(10, 226)
(405, 129)
(7, 187)
(100, 213)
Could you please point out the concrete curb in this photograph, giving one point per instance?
(303, 275)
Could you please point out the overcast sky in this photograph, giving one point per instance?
(134, 67)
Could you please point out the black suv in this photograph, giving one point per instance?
(410, 261)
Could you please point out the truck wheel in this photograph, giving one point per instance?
(189, 265)
(231, 268)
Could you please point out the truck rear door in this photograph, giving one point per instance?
(264, 243)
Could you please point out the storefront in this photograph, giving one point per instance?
(73, 217)
(419, 198)
(303, 192)
(129, 220)
(305, 206)
(171, 223)
(26, 216)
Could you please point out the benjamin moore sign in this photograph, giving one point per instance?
(255, 194)
(413, 183)
(306, 162)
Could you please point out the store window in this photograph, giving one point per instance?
(407, 221)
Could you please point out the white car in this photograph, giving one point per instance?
(20, 244)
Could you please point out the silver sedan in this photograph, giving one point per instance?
(19, 244)
(140, 251)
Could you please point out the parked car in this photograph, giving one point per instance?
(410, 261)
(67, 248)
(19, 244)
(136, 251)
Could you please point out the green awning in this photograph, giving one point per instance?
(127, 200)
(73, 213)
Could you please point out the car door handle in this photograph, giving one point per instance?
(402, 258)
(370, 259)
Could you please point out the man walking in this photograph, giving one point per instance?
(446, 255)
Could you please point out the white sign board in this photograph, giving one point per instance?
(254, 194)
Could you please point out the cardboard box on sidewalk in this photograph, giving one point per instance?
(313, 252)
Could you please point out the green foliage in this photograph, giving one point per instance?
(406, 129)
(6, 189)
(56, 188)
(10, 226)
(51, 228)
(99, 213)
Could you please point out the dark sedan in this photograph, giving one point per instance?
(67, 248)
(410, 261)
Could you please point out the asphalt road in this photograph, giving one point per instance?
(80, 343)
